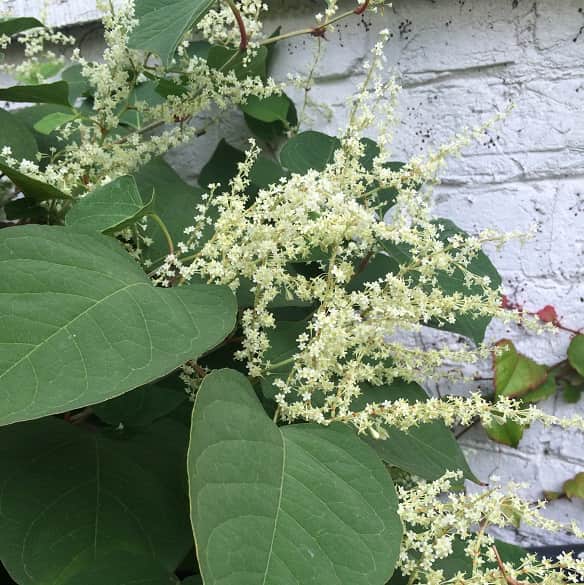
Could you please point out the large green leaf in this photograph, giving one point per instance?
(278, 506)
(46, 93)
(17, 136)
(308, 150)
(163, 23)
(122, 568)
(109, 208)
(81, 323)
(71, 497)
(13, 26)
(427, 450)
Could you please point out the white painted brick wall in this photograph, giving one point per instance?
(459, 62)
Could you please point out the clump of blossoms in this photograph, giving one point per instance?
(122, 93)
(334, 219)
(440, 521)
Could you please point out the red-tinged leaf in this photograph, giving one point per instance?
(516, 374)
(548, 314)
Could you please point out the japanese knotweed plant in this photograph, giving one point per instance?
(280, 292)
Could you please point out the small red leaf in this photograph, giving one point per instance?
(548, 314)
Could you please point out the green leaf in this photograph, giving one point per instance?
(317, 506)
(509, 433)
(109, 208)
(269, 131)
(282, 348)
(545, 390)
(27, 209)
(467, 324)
(223, 166)
(516, 374)
(233, 60)
(393, 256)
(427, 450)
(78, 85)
(13, 26)
(572, 394)
(46, 93)
(308, 150)
(574, 488)
(71, 497)
(194, 580)
(576, 353)
(17, 136)
(174, 203)
(32, 187)
(81, 323)
(141, 407)
(459, 562)
(123, 568)
(52, 122)
(31, 115)
(273, 108)
(163, 23)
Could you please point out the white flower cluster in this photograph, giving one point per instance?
(101, 150)
(220, 27)
(440, 522)
(333, 219)
(40, 62)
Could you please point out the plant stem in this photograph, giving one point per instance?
(240, 24)
(317, 30)
(282, 363)
(165, 231)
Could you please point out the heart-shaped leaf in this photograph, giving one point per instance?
(80, 322)
(516, 374)
(71, 497)
(162, 24)
(295, 504)
(109, 208)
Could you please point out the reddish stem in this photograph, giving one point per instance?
(362, 8)
(240, 24)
